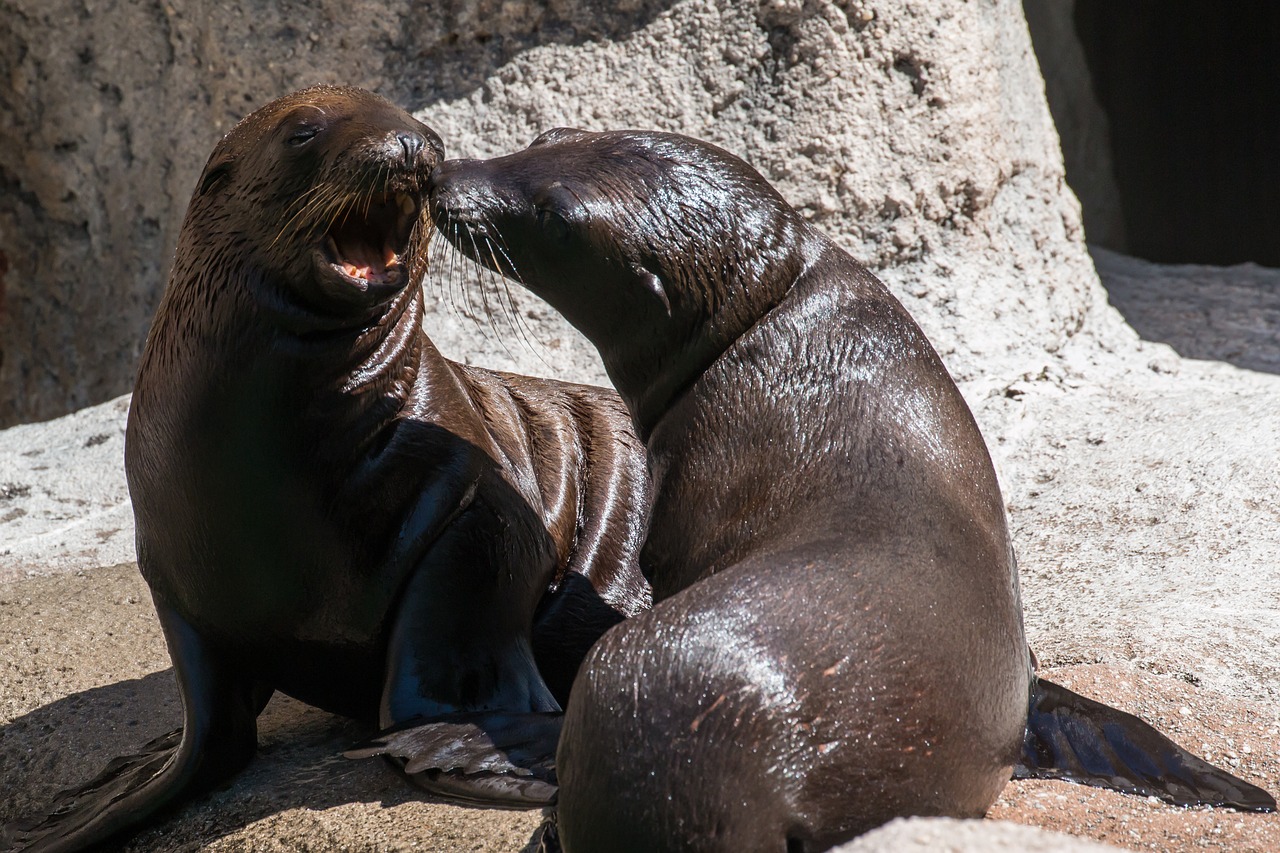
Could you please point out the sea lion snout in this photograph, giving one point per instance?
(461, 196)
(412, 143)
(420, 148)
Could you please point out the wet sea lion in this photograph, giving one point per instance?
(837, 634)
(328, 507)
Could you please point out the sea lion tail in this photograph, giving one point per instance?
(1077, 739)
(486, 758)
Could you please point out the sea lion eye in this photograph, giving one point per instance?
(302, 135)
(556, 208)
(553, 224)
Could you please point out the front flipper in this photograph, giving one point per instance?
(493, 759)
(465, 711)
(217, 739)
(1077, 739)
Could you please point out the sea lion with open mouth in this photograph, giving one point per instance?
(837, 636)
(328, 507)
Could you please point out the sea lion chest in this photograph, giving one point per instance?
(246, 513)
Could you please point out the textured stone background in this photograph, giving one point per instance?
(1140, 480)
(915, 132)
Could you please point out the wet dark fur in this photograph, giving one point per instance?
(838, 637)
(327, 507)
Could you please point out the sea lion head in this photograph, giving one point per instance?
(315, 199)
(660, 248)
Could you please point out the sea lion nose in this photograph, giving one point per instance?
(448, 183)
(461, 196)
(412, 143)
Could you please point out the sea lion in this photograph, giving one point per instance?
(837, 633)
(328, 507)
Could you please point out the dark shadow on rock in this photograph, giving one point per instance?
(298, 765)
(67, 742)
(1229, 314)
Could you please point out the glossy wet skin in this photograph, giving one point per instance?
(838, 634)
(328, 507)
(258, 269)
(837, 605)
(635, 273)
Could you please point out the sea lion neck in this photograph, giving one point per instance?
(246, 314)
(652, 375)
(624, 233)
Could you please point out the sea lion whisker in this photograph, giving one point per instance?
(484, 291)
(451, 281)
(447, 285)
(493, 273)
(508, 304)
(499, 243)
(309, 200)
(467, 294)
(319, 211)
(377, 182)
(320, 215)
(523, 332)
(435, 244)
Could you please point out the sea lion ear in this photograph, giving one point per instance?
(213, 175)
(654, 286)
(557, 134)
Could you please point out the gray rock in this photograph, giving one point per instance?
(916, 134)
(1229, 314)
(64, 505)
(946, 835)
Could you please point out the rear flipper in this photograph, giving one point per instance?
(505, 760)
(218, 737)
(1077, 739)
(72, 812)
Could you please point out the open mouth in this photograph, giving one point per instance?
(367, 242)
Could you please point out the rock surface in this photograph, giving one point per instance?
(64, 503)
(966, 836)
(1139, 495)
(915, 133)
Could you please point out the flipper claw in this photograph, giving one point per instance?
(489, 758)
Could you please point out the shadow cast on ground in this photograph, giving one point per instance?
(75, 692)
(299, 762)
(298, 766)
(1229, 314)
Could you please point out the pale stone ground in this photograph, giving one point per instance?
(1139, 486)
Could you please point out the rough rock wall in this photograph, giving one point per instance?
(915, 132)
(1080, 120)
